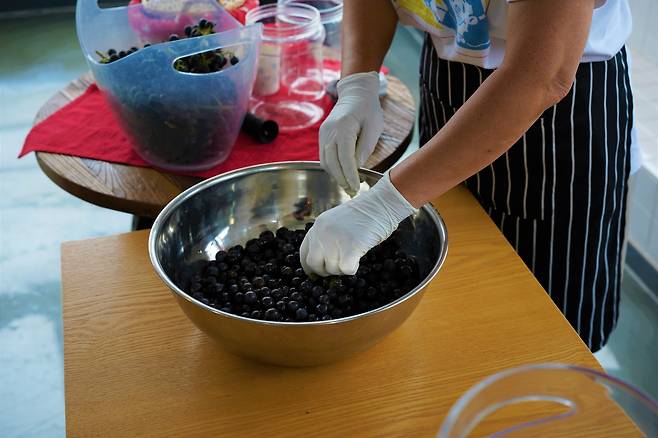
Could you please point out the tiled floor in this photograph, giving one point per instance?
(38, 57)
(632, 351)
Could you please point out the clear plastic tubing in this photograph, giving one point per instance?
(550, 400)
(289, 83)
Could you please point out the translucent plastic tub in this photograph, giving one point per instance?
(177, 121)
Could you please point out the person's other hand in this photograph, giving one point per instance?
(349, 134)
(341, 236)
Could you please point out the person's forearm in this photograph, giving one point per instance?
(368, 29)
(544, 44)
(492, 120)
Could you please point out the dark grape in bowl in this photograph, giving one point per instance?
(264, 280)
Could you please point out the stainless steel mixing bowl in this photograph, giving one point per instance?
(231, 208)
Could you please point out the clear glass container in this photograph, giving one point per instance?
(331, 17)
(289, 83)
(551, 400)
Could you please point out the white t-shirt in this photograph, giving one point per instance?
(473, 31)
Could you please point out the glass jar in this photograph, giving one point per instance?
(331, 17)
(289, 84)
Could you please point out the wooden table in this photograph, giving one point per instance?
(144, 191)
(135, 365)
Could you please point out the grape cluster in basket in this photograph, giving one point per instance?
(264, 280)
(206, 62)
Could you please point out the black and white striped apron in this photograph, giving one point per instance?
(559, 194)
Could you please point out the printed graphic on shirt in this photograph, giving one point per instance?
(465, 20)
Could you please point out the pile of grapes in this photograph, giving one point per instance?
(206, 62)
(264, 280)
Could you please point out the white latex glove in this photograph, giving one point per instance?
(341, 236)
(349, 134)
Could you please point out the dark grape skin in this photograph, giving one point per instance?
(210, 61)
(257, 282)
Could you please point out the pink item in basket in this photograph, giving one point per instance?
(239, 8)
(155, 20)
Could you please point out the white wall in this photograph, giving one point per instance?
(645, 29)
(643, 215)
(643, 197)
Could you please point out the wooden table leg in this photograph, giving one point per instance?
(142, 223)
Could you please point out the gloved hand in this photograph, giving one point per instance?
(341, 236)
(349, 134)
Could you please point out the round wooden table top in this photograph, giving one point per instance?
(145, 191)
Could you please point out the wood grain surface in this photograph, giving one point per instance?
(135, 366)
(144, 191)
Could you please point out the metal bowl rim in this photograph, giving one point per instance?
(284, 165)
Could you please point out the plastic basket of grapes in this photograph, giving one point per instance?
(181, 101)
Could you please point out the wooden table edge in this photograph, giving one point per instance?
(101, 199)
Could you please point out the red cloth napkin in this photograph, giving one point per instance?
(87, 128)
